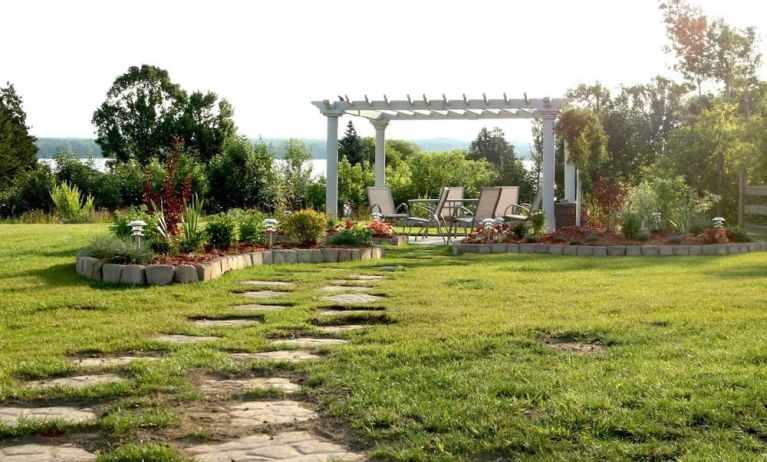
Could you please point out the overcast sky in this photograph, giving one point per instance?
(271, 58)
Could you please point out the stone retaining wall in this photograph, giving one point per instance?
(611, 250)
(95, 269)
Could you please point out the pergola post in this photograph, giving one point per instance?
(547, 195)
(331, 191)
(569, 176)
(380, 161)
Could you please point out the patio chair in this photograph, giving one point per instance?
(433, 216)
(381, 201)
(453, 203)
(486, 206)
(522, 212)
(507, 200)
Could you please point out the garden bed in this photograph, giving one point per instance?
(610, 250)
(163, 274)
(393, 240)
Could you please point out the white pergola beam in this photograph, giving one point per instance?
(533, 104)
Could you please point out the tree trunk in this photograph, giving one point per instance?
(719, 181)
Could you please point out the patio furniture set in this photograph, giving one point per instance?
(450, 211)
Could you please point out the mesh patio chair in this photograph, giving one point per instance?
(381, 201)
(522, 212)
(486, 206)
(507, 200)
(432, 216)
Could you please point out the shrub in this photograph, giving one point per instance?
(380, 229)
(192, 235)
(538, 221)
(631, 224)
(735, 234)
(519, 230)
(592, 238)
(305, 226)
(118, 250)
(643, 236)
(241, 176)
(531, 238)
(715, 236)
(676, 239)
(222, 231)
(252, 228)
(30, 190)
(70, 205)
(355, 235)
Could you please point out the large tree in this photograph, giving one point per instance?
(17, 146)
(144, 111)
(351, 147)
(490, 145)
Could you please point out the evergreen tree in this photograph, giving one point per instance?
(17, 147)
(351, 147)
(490, 145)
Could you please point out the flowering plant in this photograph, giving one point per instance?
(380, 229)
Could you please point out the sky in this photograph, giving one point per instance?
(271, 58)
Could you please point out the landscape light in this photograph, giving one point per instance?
(271, 226)
(137, 230)
(376, 216)
(718, 222)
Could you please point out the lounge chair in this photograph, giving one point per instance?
(381, 201)
(507, 200)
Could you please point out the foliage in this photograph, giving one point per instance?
(294, 176)
(643, 236)
(144, 452)
(120, 220)
(251, 228)
(222, 231)
(669, 203)
(352, 234)
(587, 141)
(491, 145)
(17, 146)
(519, 230)
(538, 222)
(430, 171)
(192, 235)
(606, 202)
(28, 191)
(70, 204)
(305, 226)
(118, 250)
(735, 234)
(715, 236)
(170, 200)
(381, 229)
(353, 180)
(352, 149)
(242, 176)
(631, 224)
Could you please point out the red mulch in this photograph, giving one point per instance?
(209, 253)
(565, 236)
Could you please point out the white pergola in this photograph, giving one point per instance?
(381, 112)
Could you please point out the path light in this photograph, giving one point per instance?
(718, 222)
(271, 226)
(499, 220)
(137, 230)
(376, 216)
(488, 223)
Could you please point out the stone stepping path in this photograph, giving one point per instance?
(347, 312)
(74, 415)
(388, 268)
(78, 381)
(337, 288)
(259, 294)
(259, 307)
(268, 283)
(308, 342)
(110, 361)
(45, 453)
(242, 385)
(256, 413)
(365, 277)
(291, 356)
(351, 298)
(286, 447)
(338, 329)
(180, 338)
(223, 322)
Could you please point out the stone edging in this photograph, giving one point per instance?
(139, 275)
(611, 250)
(394, 240)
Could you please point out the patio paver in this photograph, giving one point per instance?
(108, 361)
(347, 312)
(259, 307)
(13, 415)
(268, 283)
(256, 383)
(351, 298)
(308, 342)
(224, 322)
(338, 329)
(259, 294)
(45, 453)
(257, 413)
(291, 356)
(78, 381)
(180, 338)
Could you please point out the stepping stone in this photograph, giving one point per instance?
(78, 381)
(74, 415)
(257, 413)
(268, 283)
(179, 338)
(351, 298)
(351, 283)
(342, 288)
(223, 322)
(338, 329)
(110, 361)
(365, 277)
(263, 294)
(347, 312)
(291, 356)
(287, 447)
(388, 268)
(45, 453)
(257, 307)
(307, 342)
(243, 385)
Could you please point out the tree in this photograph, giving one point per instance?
(490, 145)
(295, 176)
(241, 176)
(144, 111)
(17, 146)
(351, 147)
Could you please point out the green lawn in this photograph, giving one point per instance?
(456, 368)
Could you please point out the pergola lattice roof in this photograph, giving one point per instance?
(440, 109)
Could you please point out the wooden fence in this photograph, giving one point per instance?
(751, 202)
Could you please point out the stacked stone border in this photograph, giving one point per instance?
(140, 275)
(611, 250)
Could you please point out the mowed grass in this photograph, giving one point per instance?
(458, 369)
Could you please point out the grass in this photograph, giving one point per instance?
(458, 369)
